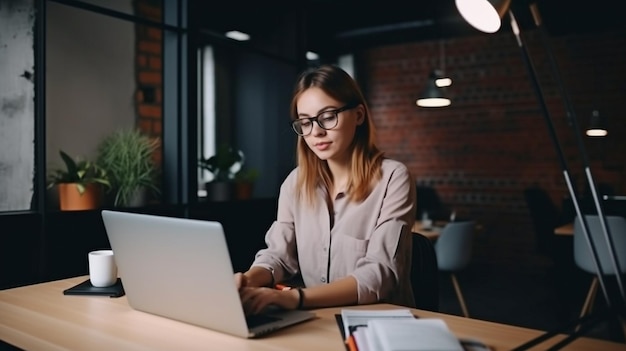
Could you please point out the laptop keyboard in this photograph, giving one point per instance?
(260, 319)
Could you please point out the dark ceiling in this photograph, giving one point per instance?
(343, 25)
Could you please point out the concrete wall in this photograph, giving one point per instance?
(90, 79)
(17, 106)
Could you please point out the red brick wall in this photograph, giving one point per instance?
(149, 72)
(492, 142)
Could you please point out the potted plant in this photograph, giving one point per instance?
(127, 155)
(244, 183)
(80, 184)
(224, 166)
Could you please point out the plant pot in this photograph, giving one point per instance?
(71, 200)
(243, 190)
(220, 191)
(139, 197)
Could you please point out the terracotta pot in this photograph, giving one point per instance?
(71, 200)
(243, 190)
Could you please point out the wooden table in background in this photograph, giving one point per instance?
(434, 231)
(431, 233)
(566, 229)
(40, 317)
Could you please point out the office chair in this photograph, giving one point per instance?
(545, 217)
(424, 274)
(454, 251)
(584, 259)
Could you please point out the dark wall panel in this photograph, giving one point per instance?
(19, 249)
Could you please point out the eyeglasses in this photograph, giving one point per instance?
(326, 120)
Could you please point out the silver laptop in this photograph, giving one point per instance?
(181, 269)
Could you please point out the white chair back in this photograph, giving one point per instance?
(582, 253)
(454, 246)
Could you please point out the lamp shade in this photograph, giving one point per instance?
(484, 15)
(597, 125)
(433, 95)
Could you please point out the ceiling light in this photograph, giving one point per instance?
(443, 82)
(312, 56)
(597, 125)
(484, 15)
(237, 35)
(433, 95)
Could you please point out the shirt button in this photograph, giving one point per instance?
(325, 248)
(323, 280)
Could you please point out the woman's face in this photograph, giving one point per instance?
(329, 144)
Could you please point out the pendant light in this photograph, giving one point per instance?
(435, 92)
(597, 125)
(433, 95)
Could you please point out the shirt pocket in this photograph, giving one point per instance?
(346, 251)
(351, 244)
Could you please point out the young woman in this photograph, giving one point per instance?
(344, 214)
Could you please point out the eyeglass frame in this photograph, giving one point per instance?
(315, 119)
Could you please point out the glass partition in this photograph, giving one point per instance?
(17, 91)
(103, 75)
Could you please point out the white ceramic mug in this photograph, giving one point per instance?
(102, 268)
(427, 223)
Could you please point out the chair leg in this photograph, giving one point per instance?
(591, 297)
(588, 305)
(459, 295)
(594, 286)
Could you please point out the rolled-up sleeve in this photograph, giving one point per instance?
(383, 273)
(280, 256)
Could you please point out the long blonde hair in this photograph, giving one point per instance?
(366, 157)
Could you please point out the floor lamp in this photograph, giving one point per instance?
(485, 16)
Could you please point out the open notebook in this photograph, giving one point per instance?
(181, 269)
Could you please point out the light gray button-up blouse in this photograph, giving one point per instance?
(370, 240)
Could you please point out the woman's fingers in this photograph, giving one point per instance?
(255, 300)
(240, 280)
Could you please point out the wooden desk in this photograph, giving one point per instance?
(432, 233)
(40, 317)
(566, 229)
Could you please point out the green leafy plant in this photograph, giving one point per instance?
(127, 156)
(225, 164)
(79, 171)
(247, 175)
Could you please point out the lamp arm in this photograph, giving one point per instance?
(555, 140)
(586, 322)
(581, 147)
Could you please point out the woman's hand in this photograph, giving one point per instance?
(240, 280)
(255, 300)
(255, 276)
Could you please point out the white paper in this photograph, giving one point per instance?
(360, 338)
(354, 317)
(417, 334)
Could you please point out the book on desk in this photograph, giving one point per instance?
(393, 330)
